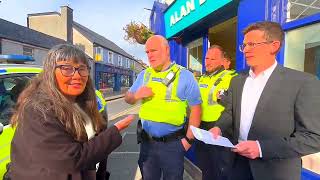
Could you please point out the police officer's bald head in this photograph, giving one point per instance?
(158, 52)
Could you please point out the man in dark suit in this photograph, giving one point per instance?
(271, 111)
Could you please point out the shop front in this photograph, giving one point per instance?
(191, 26)
(110, 79)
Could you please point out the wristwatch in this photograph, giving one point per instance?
(190, 141)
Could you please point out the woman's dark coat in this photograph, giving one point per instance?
(42, 149)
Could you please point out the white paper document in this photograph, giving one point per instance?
(207, 137)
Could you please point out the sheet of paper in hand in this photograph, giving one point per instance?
(207, 137)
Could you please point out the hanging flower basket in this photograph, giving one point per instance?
(137, 33)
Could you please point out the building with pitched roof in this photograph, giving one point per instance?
(113, 67)
(18, 41)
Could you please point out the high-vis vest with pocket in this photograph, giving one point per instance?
(164, 106)
(100, 101)
(209, 87)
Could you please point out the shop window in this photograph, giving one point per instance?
(297, 9)
(312, 58)
(106, 80)
(125, 81)
(28, 51)
(110, 57)
(110, 80)
(302, 50)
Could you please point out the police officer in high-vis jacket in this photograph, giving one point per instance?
(165, 90)
(212, 85)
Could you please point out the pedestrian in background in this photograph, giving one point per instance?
(60, 133)
(272, 111)
(165, 90)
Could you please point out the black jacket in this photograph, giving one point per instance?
(43, 149)
(285, 122)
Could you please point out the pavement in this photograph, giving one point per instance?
(118, 107)
(122, 163)
(114, 95)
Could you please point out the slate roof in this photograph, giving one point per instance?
(100, 40)
(15, 32)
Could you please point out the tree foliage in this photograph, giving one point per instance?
(137, 32)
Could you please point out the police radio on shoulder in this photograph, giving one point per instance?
(168, 79)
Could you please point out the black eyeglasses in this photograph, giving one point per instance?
(68, 70)
(252, 45)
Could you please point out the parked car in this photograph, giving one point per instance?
(13, 79)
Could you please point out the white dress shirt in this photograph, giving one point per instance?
(252, 90)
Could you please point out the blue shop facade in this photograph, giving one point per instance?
(110, 76)
(113, 68)
(191, 26)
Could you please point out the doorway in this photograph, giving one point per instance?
(225, 35)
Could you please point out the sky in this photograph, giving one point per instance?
(104, 17)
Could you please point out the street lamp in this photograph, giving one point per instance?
(143, 8)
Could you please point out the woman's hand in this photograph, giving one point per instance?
(124, 123)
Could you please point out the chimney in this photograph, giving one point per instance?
(66, 23)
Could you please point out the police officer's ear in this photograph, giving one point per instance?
(167, 49)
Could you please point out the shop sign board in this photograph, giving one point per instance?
(183, 13)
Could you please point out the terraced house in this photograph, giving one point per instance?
(113, 67)
(18, 42)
